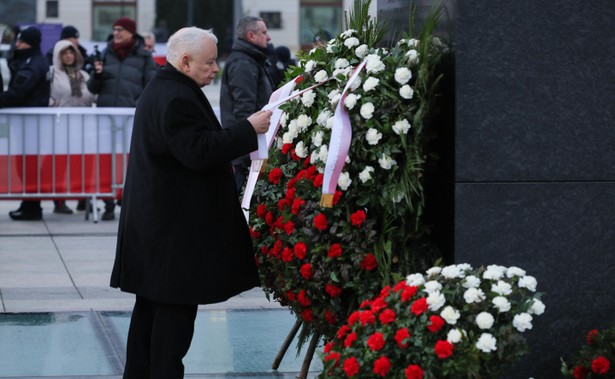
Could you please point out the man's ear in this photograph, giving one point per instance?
(250, 36)
(184, 63)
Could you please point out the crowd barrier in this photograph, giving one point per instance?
(64, 153)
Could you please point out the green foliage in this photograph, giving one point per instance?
(596, 359)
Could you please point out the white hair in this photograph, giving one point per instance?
(187, 41)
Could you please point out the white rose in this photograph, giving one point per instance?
(435, 301)
(514, 271)
(484, 320)
(454, 336)
(323, 116)
(292, 126)
(351, 42)
(522, 322)
(406, 92)
(501, 288)
(309, 66)
(300, 150)
(308, 98)
(401, 127)
(434, 271)
(351, 100)
(373, 136)
(321, 76)
(432, 286)
(494, 272)
(334, 97)
(501, 303)
(361, 51)
(413, 56)
(486, 343)
(288, 137)
(317, 138)
(452, 272)
(344, 181)
(450, 315)
(473, 295)
(415, 280)
(370, 83)
(537, 308)
(386, 162)
(303, 121)
(366, 175)
(471, 282)
(403, 75)
(528, 282)
(341, 63)
(374, 64)
(367, 111)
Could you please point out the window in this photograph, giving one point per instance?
(272, 19)
(314, 18)
(105, 13)
(51, 9)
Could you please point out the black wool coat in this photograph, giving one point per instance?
(182, 236)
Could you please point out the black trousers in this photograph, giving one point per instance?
(158, 339)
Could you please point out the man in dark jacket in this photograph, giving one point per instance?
(182, 239)
(28, 87)
(120, 77)
(246, 83)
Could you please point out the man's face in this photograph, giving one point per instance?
(202, 67)
(21, 45)
(260, 37)
(121, 35)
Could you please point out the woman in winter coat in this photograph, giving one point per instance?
(68, 89)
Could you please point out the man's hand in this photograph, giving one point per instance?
(260, 121)
(98, 67)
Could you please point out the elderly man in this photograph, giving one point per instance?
(182, 238)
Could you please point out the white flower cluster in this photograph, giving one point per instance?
(489, 296)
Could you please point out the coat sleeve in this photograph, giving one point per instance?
(25, 80)
(243, 84)
(198, 142)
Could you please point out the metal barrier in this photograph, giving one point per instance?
(64, 153)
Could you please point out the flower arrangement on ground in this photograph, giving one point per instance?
(452, 322)
(596, 359)
(322, 261)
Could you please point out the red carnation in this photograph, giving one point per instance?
(335, 251)
(330, 317)
(320, 222)
(254, 233)
(375, 341)
(400, 336)
(400, 286)
(350, 338)
(287, 255)
(387, 316)
(261, 210)
(290, 194)
(591, 335)
(414, 372)
(291, 183)
(580, 372)
(337, 196)
(435, 323)
(378, 304)
(293, 155)
(335, 356)
(310, 173)
(269, 218)
(328, 346)
(300, 250)
(382, 366)
(408, 293)
(275, 175)
(306, 271)
(601, 365)
(419, 306)
(367, 317)
(358, 218)
(318, 180)
(303, 299)
(369, 262)
(443, 349)
(286, 148)
(297, 204)
(290, 295)
(289, 227)
(354, 317)
(351, 367)
(299, 79)
(333, 290)
(307, 315)
(342, 331)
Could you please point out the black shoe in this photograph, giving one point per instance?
(22, 215)
(81, 205)
(63, 209)
(108, 215)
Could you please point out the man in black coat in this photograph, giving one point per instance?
(182, 239)
(246, 81)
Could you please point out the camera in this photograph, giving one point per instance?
(91, 59)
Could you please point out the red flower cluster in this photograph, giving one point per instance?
(594, 359)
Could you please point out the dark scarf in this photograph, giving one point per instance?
(123, 49)
(75, 78)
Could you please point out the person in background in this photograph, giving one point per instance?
(120, 77)
(70, 33)
(149, 41)
(284, 61)
(28, 87)
(246, 83)
(182, 237)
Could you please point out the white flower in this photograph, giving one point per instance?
(471, 281)
(314, 156)
(309, 65)
(501, 303)
(406, 92)
(522, 322)
(329, 123)
(464, 267)
(321, 76)
(494, 272)
(415, 280)
(329, 46)
(323, 152)
(452, 272)
(450, 315)
(356, 83)
(528, 282)
(283, 119)
(300, 150)
(317, 138)
(433, 286)
(514, 271)
(403, 75)
(501, 288)
(473, 295)
(434, 271)
(370, 83)
(334, 97)
(366, 175)
(454, 336)
(484, 320)
(348, 33)
(303, 121)
(308, 98)
(486, 343)
(386, 162)
(413, 56)
(361, 51)
(537, 308)
(341, 63)
(367, 111)
(351, 100)
(323, 116)
(374, 64)
(435, 301)
(373, 136)
(413, 42)
(351, 42)
(344, 181)
(288, 137)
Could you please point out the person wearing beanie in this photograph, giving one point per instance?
(122, 74)
(70, 33)
(28, 87)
